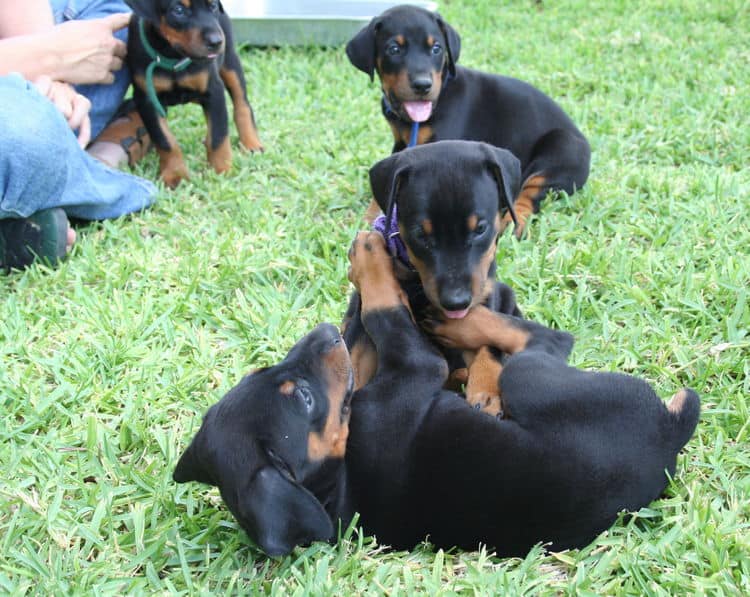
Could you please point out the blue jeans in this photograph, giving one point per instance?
(42, 165)
(105, 99)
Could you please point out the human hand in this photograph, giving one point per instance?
(72, 105)
(88, 50)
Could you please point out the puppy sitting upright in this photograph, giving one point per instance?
(443, 203)
(181, 51)
(426, 97)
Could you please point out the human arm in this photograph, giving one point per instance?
(84, 51)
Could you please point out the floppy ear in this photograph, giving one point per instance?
(361, 48)
(452, 42)
(146, 9)
(506, 169)
(385, 178)
(189, 468)
(279, 514)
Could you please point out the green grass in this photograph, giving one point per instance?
(109, 361)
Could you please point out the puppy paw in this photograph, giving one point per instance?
(368, 257)
(371, 272)
(172, 168)
(221, 157)
(486, 402)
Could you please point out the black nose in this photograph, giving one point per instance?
(326, 337)
(422, 84)
(213, 39)
(456, 299)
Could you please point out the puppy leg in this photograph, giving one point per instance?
(171, 163)
(483, 385)
(234, 80)
(218, 148)
(361, 349)
(560, 162)
(404, 355)
(483, 327)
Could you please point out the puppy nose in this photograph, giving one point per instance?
(422, 84)
(327, 337)
(456, 299)
(213, 39)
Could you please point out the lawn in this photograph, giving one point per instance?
(109, 361)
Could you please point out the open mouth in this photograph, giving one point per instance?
(418, 111)
(460, 314)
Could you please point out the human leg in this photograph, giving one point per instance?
(42, 166)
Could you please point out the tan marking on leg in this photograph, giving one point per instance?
(483, 385)
(220, 157)
(243, 112)
(677, 402)
(171, 163)
(371, 272)
(524, 203)
(365, 362)
(482, 327)
(427, 227)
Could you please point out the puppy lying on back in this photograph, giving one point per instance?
(293, 452)
(415, 52)
(181, 51)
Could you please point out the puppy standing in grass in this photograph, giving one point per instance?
(182, 51)
(427, 97)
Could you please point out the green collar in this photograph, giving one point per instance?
(158, 61)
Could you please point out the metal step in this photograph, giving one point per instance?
(301, 23)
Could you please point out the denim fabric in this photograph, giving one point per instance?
(42, 166)
(105, 99)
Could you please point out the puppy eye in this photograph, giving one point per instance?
(305, 395)
(393, 50)
(436, 49)
(481, 228)
(179, 10)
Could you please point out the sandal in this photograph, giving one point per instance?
(42, 236)
(126, 129)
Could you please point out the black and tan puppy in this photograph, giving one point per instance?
(573, 449)
(444, 202)
(182, 51)
(414, 53)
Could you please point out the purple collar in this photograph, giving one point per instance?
(390, 232)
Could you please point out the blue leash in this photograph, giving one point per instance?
(414, 134)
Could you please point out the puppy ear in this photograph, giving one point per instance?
(146, 9)
(361, 48)
(279, 514)
(452, 42)
(506, 169)
(190, 468)
(385, 178)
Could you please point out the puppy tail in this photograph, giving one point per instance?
(684, 408)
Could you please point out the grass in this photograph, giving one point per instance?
(110, 360)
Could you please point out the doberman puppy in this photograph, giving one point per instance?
(443, 203)
(414, 53)
(181, 51)
(573, 449)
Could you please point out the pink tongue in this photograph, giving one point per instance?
(418, 111)
(456, 314)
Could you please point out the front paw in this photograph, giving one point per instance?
(366, 253)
